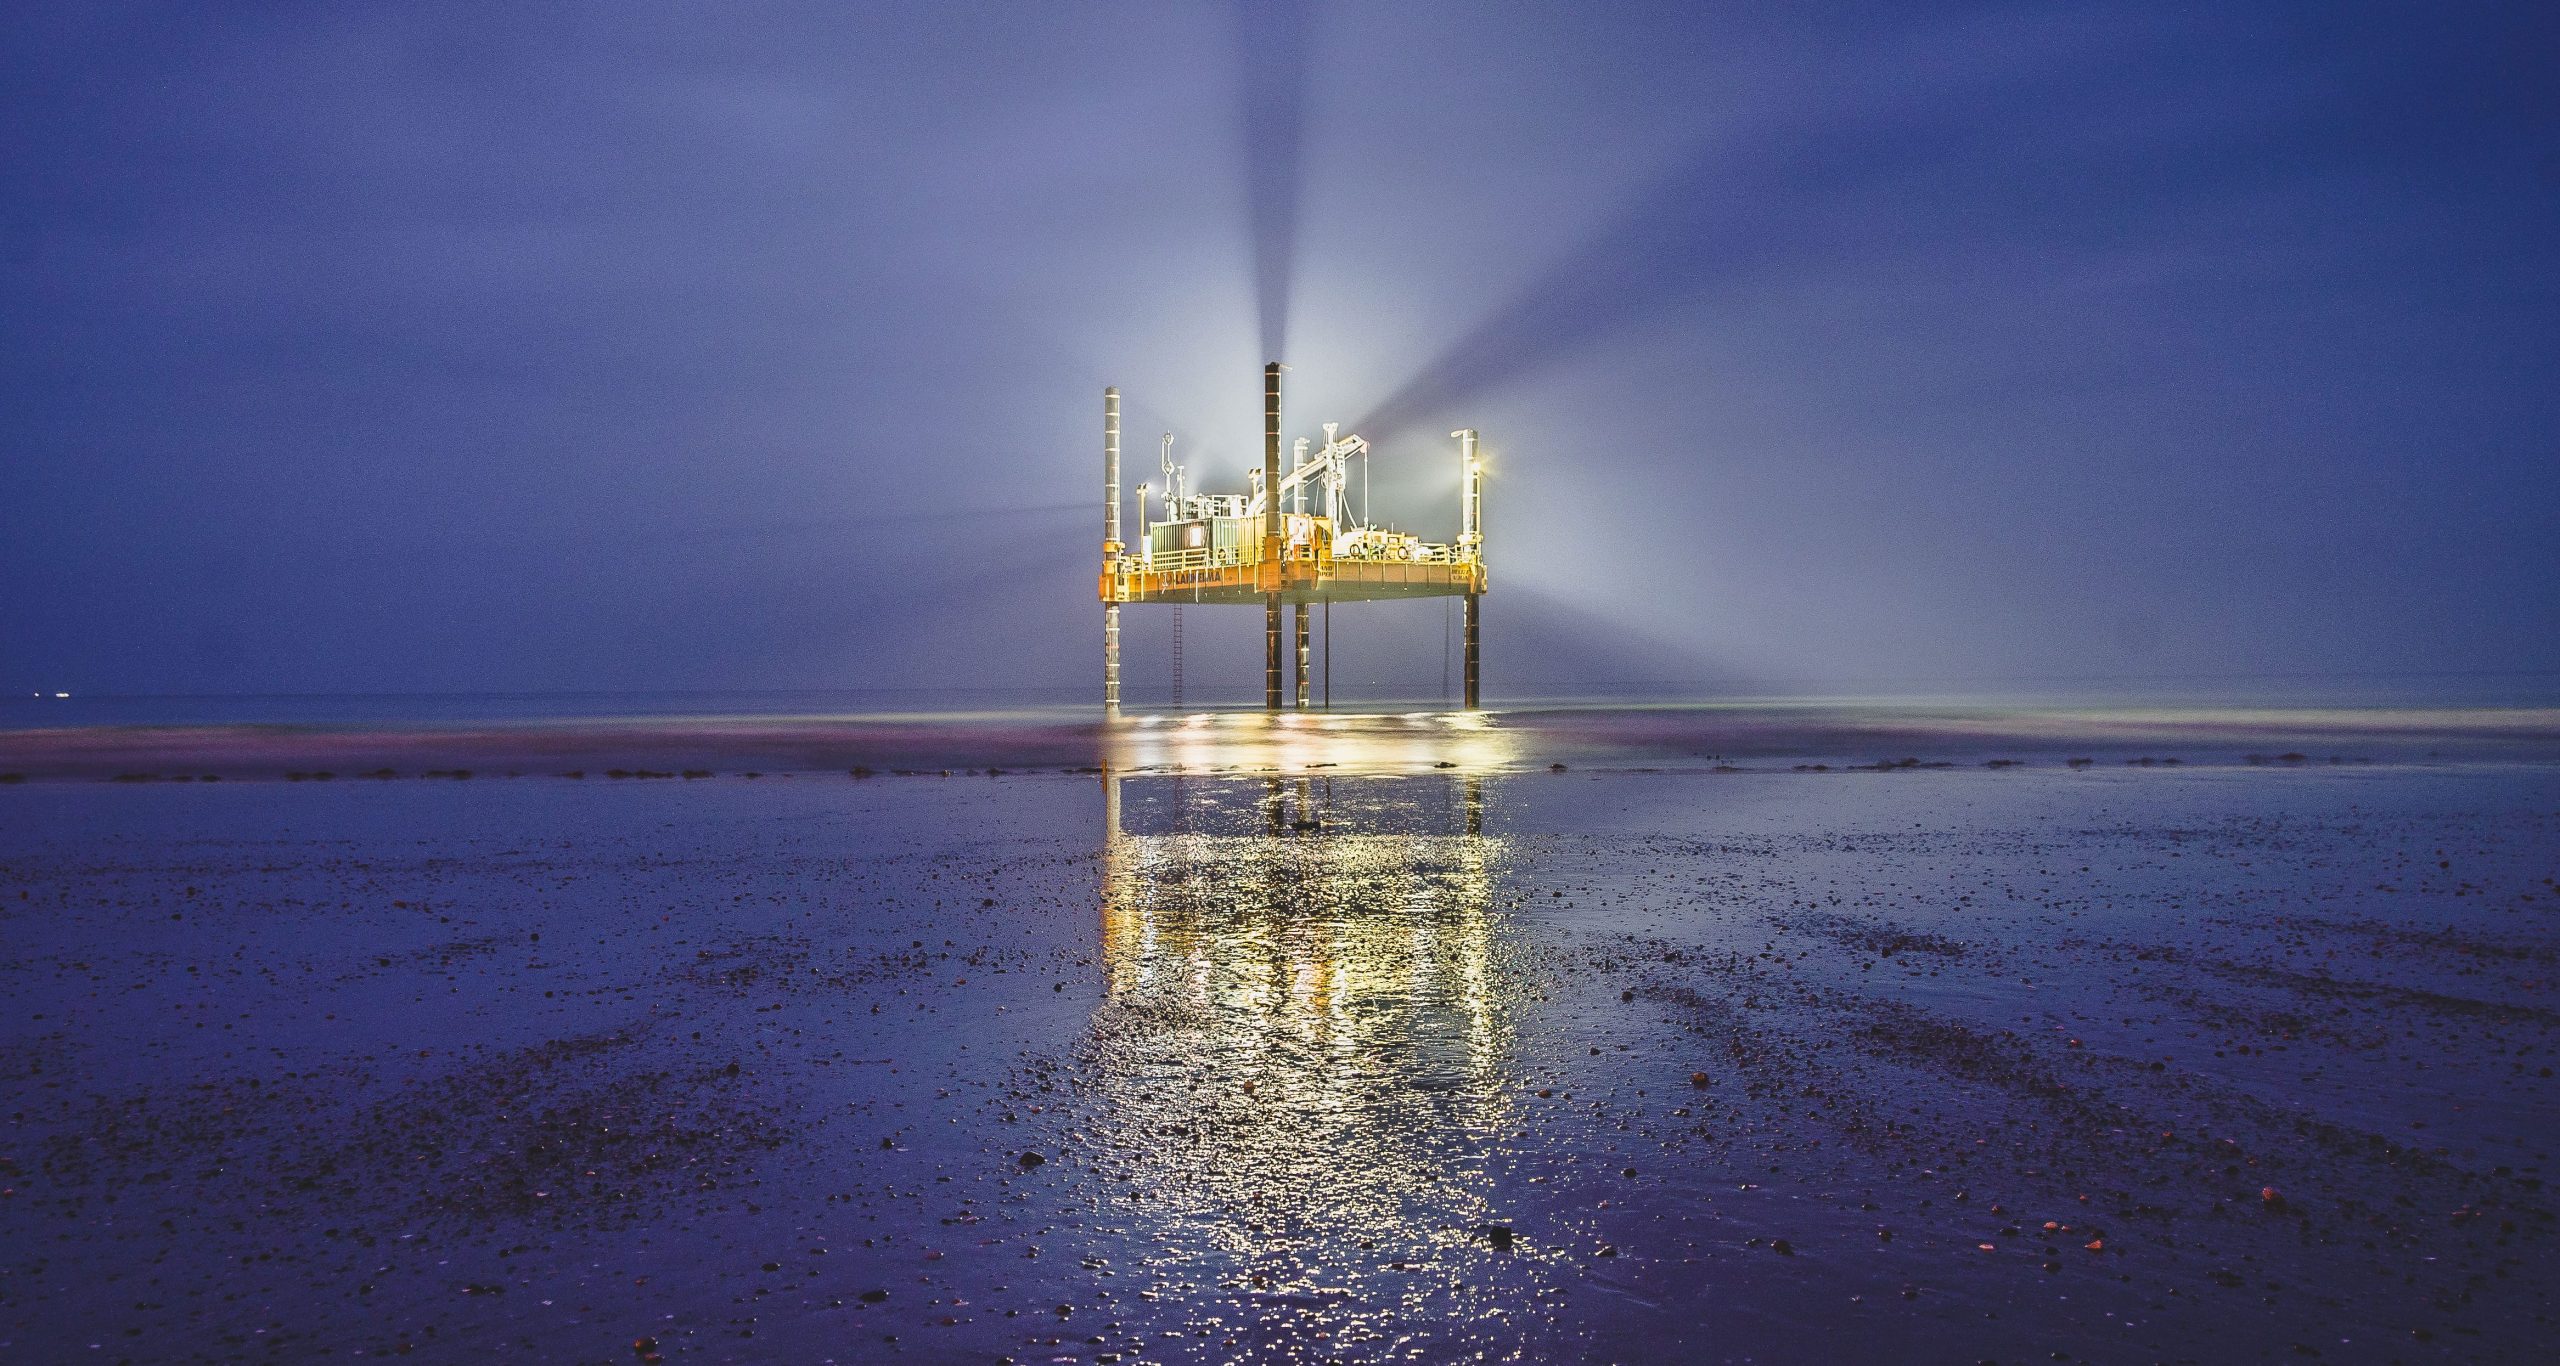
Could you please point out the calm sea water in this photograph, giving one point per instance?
(340, 709)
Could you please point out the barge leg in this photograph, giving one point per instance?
(1110, 548)
(1302, 657)
(1271, 535)
(1271, 652)
(1470, 665)
(1111, 659)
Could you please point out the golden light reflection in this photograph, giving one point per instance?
(1301, 1035)
(1310, 742)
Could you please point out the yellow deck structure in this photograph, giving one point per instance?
(1307, 571)
(1239, 549)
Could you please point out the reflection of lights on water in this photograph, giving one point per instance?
(1200, 742)
(1347, 974)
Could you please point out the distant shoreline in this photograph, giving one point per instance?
(1727, 737)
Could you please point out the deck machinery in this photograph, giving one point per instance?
(1267, 545)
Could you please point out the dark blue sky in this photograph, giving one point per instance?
(467, 347)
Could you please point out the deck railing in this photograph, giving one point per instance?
(1185, 561)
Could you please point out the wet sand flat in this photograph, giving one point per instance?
(2111, 1063)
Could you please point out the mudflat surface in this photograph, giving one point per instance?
(2116, 1064)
